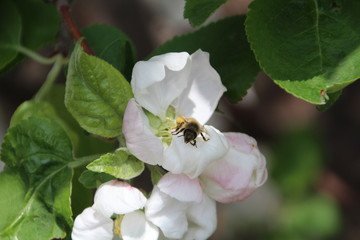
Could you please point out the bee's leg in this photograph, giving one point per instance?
(193, 142)
(178, 131)
(204, 138)
(176, 128)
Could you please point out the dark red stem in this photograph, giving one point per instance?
(75, 33)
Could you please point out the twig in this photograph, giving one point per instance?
(65, 13)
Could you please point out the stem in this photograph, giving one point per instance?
(75, 33)
(121, 140)
(51, 77)
(31, 54)
(83, 160)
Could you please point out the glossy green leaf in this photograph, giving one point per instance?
(96, 94)
(229, 50)
(197, 11)
(92, 179)
(120, 164)
(307, 47)
(113, 46)
(36, 186)
(10, 28)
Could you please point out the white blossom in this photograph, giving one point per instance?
(236, 175)
(188, 85)
(179, 208)
(115, 197)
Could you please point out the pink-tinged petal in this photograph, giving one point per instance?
(134, 226)
(202, 95)
(237, 175)
(118, 197)
(91, 225)
(181, 157)
(241, 142)
(167, 213)
(140, 140)
(181, 187)
(158, 81)
(202, 219)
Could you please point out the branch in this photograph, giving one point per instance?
(75, 33)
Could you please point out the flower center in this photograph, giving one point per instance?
(164, 131)
(162, 128)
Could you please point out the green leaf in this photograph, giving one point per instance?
(35, 188)
(92, 179)
(27, 24)
(332, 99)
(120, 164)
(197, 11)
(41, 22)
(32, 109)
(156, 173)
(307, 47)
(84, 144)
(113, 46)
(10, 28)
(229, 50)
(53, 108)
(81, 196)
(24, 215)
(96, 94)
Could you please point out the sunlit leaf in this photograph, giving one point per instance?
(36, 185)
(96, 94)
(120, 164)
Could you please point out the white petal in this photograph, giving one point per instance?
(238, 173)
(202, 95)
(158, 81)
(181, 187)
(202, 219)
(140, 141)
(91, 225)
(134, 226)
(167, 213)
(118, 197)
(180, 157)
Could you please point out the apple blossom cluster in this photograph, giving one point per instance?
(227, 167)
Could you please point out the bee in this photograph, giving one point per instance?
(190, 128)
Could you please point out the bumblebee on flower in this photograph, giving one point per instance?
(165, 88)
